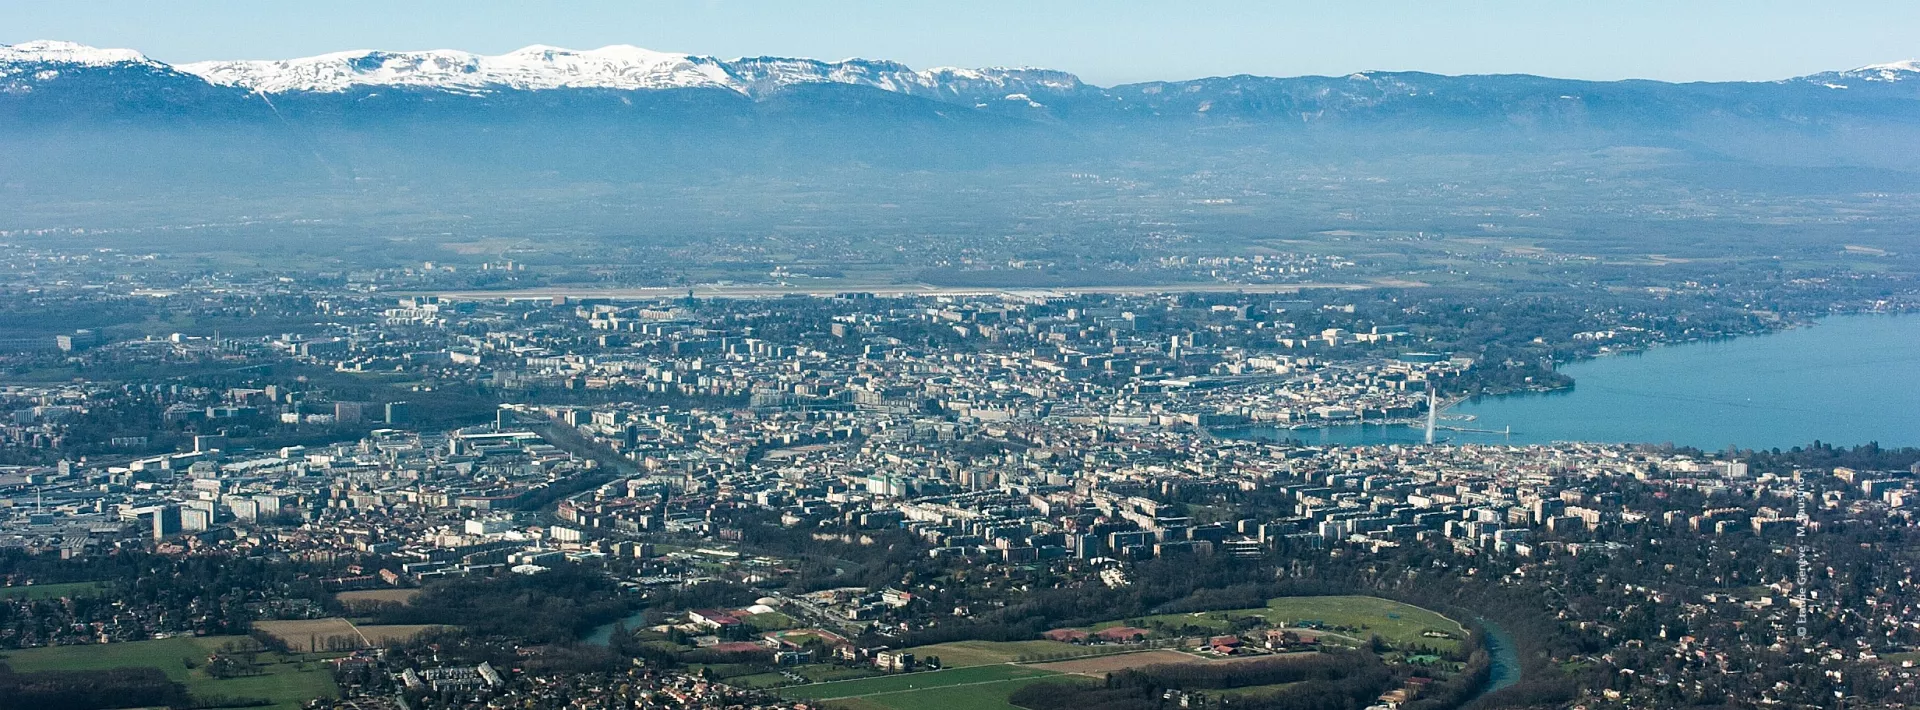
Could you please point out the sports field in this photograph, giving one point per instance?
(289, 682)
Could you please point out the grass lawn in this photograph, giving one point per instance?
(869, 688)
(822, 672)
(285, 681)
(960, 654)
(52, 591)
(758, 681)
(1398, 623)
(989, 696)
(855, 704)
(664, 645)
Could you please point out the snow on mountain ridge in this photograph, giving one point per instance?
(27, 65)
(1888, 76)
(58, 52)
(626, 67)
(1891, 71)
(529, 68)
(759, 75)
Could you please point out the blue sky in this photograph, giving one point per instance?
(1105, 42)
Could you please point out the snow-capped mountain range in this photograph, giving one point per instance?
(539, 67)
(532, 68)
(54, 52)
(75, 117)
(629, 68)
(61, 83)
(1889, 73)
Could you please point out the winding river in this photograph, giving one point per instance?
(1503, 668)
(603, 634)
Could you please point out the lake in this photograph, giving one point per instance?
(1845, 380)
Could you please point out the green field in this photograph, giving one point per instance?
(760, 676)
(960, 654)
(883, 689)
(758, 681)
(1398, 623)
(821, 673)
(980, 675)
(52, 591)
(288, 682)
(985, 696)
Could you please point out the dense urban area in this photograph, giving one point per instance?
(240, 489)
(624, 379)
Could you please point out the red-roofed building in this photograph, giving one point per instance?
(1287, 638)
(1066, 635)
(713, 618)
(1122, 634)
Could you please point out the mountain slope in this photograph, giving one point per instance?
(618, 67)
(63, 81)
(81, 116)
(530, 69)
(29, 70)
(1896, 79)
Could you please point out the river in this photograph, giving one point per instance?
(1503, 667)
(603, 634)
(1844, 380)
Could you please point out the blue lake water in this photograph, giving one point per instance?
(1845, 380)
